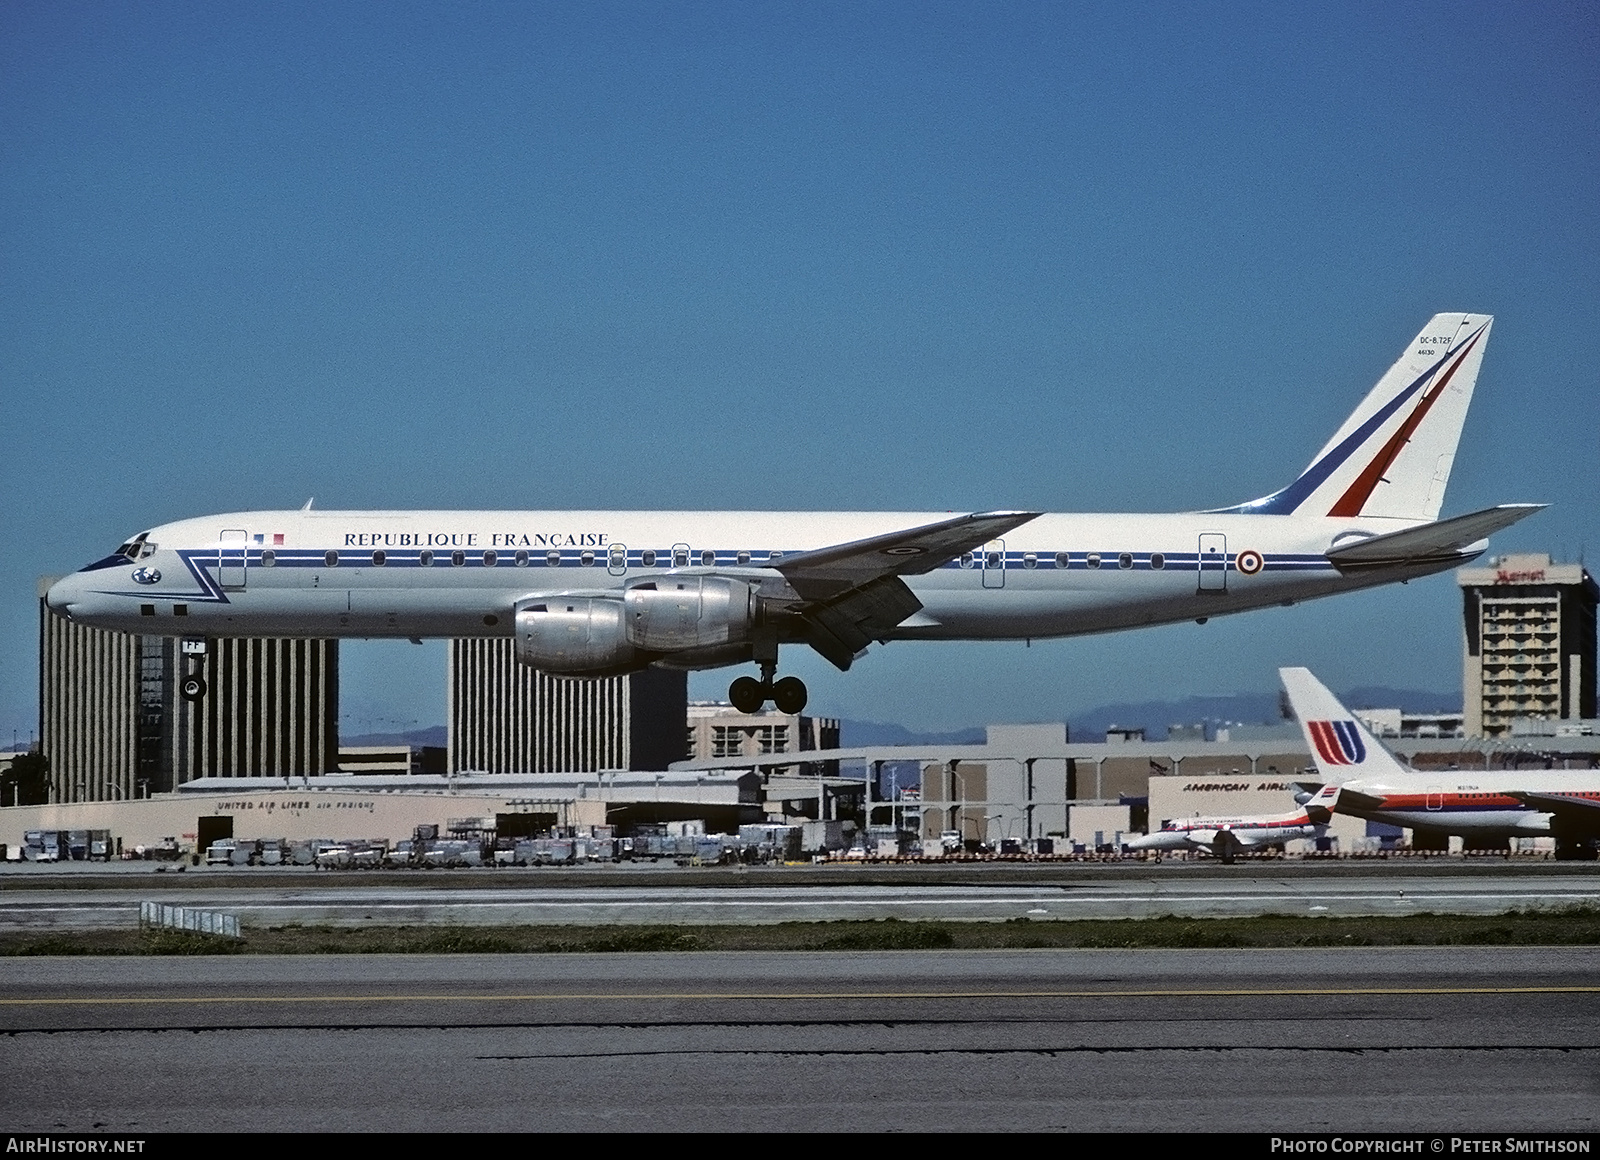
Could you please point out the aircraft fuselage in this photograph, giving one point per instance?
(462, 574)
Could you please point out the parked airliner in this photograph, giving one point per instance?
(1225, 837)
(590, 593)
(1365, 780)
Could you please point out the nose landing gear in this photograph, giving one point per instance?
(788, 695)
(192, 687)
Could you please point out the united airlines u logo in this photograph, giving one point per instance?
(1338, 742)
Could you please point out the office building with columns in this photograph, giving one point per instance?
(505, 717)
(114, 725)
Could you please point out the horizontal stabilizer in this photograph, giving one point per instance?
(1441, 539)
(1351, 801)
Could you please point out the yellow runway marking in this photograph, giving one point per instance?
(798, 996)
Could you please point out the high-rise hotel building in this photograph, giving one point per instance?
(1530, 643)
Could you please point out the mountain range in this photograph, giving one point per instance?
(1089, 725)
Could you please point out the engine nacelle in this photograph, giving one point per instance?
(697, 619)
(576, 634)
(677, 614)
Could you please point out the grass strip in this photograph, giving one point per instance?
(1573, 926)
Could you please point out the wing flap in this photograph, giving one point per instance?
(1439, 540)
(840, 628)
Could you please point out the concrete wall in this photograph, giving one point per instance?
(1224, 795)
(1086, 821)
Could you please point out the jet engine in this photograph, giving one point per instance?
(687, 621)
(575, 634)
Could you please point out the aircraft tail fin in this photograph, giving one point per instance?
(1342, 747)
(1392, 456)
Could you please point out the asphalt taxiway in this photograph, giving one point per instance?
(537, 897)
(1370, 1039)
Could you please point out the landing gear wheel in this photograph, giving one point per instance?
(789, 695)
(747, 694)
(193, 688)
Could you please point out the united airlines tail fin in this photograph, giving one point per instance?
(1342, 747)
(1392, 457)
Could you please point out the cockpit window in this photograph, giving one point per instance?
(136, 548)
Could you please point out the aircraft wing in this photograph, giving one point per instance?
(1440, 540)
(1568, 811)
(853, 593)
(828, 572)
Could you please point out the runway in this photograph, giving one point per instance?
(1371, 1039)
(634, 899)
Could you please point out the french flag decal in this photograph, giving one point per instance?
(1338, 742)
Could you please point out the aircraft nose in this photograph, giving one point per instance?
(59, 598)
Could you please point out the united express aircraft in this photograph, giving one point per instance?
(1228, 836)
(590, 593)
(1364, 780)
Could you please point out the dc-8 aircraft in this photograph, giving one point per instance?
(1364, 780)
(591, 593)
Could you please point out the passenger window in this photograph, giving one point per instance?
(457, 558)
(552, 559)
(521, 559)
(1029, 560)
(425, 558)
(708, 558)
(771, 556)
(966, 559)
(1063, 559)
(744, 557)
(586, 559)
(331, 558)
(1125, 560)
(648, 558)
(1157, 561)
(268, 558)
(1092, 560)
(489, 559)
(680, 557)
(379, 559)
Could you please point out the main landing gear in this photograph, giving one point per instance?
(788, 695)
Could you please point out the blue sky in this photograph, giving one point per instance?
(904, 256)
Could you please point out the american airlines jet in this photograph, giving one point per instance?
(1365, 780)
(591, 593)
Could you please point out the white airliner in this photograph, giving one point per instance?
(589, 593)
(1225, 837)
(1365, 780)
